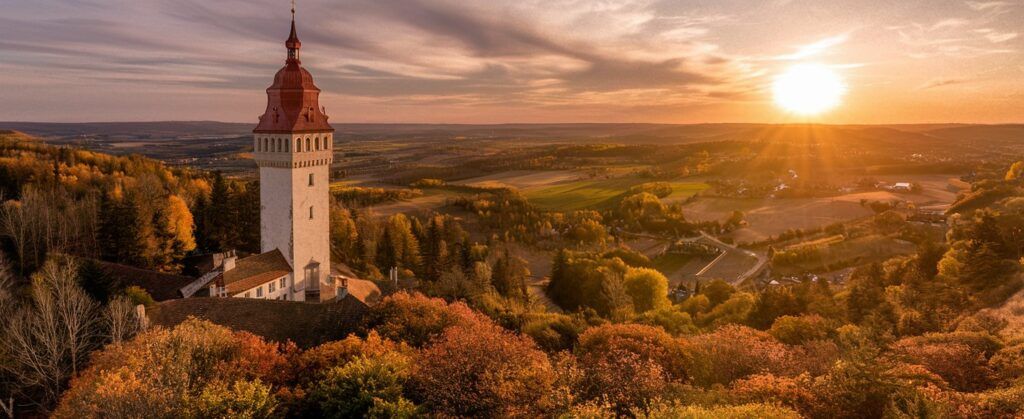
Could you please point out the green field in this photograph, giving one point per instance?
(598, 194)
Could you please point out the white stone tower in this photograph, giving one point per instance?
(293, 148)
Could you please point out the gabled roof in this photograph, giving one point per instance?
(254, 271)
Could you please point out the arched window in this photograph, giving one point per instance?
(298, 145)
(318, 144)
(310, 213)
(287, 144)
(308, 144)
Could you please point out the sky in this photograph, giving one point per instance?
(512, 61)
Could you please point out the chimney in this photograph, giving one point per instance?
(229, 261)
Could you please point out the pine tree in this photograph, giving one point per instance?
(219, 215)
(120, 233)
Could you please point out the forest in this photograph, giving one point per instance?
(464, 334)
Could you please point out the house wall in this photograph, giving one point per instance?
(267, 294)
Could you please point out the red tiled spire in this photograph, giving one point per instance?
(293, 100)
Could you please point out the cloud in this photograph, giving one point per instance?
(942, 82)
(816, 48)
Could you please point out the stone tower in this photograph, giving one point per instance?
(293, 149)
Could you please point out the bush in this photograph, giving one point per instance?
(735, 352)
(416, 319)
(553, 332)
(647, 288)
(369, 386)
(629, 365)
(679, 411)
(796, 330)
(176, 372)
(482, 370)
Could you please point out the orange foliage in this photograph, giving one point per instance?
(733, 352)
(482, 370)
(629, 365)
(416, 319)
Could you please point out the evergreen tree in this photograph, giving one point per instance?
(120, 233)
(219, 216)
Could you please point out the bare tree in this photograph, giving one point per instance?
(47, 340)
(121, 320)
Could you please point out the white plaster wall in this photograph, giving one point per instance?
(285, 200)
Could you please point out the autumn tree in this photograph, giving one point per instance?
(482, 370)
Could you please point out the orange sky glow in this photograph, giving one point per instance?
(514, 61)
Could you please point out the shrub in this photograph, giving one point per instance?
(629, 365)
(482, 370)
(242, 399)
(416, 319)
(1008, 364)
(166, 372)
(679, 411)
(553, 332)
(369, 386)
(735, 352)
(795, 330)
(647, 288)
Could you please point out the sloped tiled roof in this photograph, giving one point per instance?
(161, 286)
(306, 324)
(256, 270)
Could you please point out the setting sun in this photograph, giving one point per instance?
(808, 89)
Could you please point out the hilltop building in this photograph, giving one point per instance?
(292, 146)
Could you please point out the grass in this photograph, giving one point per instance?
(598, 193)
(671, 262)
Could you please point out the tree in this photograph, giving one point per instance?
(46, 342)
(648, 289)
(120, 231)
(368, 386)
(196, 369)
(482, 370)
(509, 276)
(416, 319)
(629, 365)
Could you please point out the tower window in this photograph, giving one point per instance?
(298, 145)
(317, 141)
(310, 213)
(308, 148)
(310, 179)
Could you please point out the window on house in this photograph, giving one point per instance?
(273, 287)
(310, 179)
(284, 282)
(246, 295)
(259, 292)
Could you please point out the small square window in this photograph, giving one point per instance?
(247, 295)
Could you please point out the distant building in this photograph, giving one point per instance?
(902, 187)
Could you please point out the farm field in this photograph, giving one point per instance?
(597, 194)
(852, 252)
(681, 269)
(769, 217)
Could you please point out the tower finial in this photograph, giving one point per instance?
(293, 42)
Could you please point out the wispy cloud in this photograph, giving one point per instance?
(816, 48)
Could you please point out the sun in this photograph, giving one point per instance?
(808, 89)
